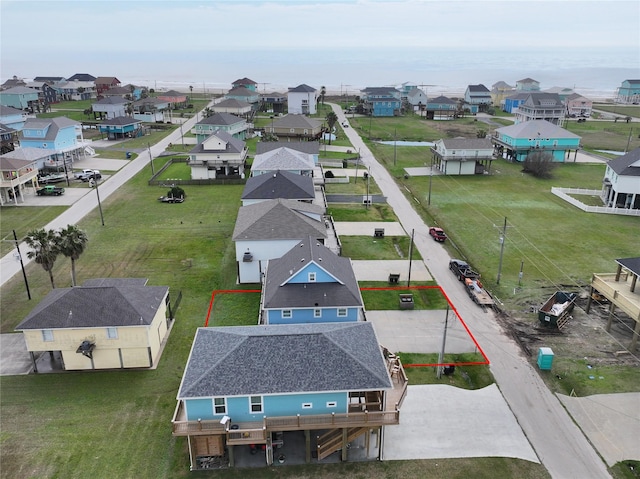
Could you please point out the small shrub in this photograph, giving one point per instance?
(540, 164)
(176, 192)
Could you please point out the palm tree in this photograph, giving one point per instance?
(323, 92)
(332, 119)
(72, 242)
(44, 245)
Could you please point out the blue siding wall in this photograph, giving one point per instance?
(199, 409)
(329, 315)
(302, 276)
(292, 405)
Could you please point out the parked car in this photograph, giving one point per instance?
(437, 234)
(50, 190)
(86, 175)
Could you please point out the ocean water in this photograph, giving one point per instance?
(594, 73)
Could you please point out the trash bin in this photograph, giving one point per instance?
(128, 155)
(406, 301)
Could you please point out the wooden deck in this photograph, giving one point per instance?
(366, 409)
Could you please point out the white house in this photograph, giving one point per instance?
(462, 156)
(302, 100)
(269, 229)
(621, 184)
(219, 156)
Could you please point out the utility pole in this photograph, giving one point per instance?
(444, 341)
(153, 173)
(410, 257)
(24, 273)
(95, 181)
(503, 237)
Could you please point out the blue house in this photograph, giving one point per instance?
(255, 385)
(440, 108)
(516, 142)
(57, 135)
(121, 127)
(12, 117)
(20, 97)
(629, 92)
(242, 93)
(310, 284)
(512, 102)
(232, 124)
(382, 101)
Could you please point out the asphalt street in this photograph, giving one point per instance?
(558, 441)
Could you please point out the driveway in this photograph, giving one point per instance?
(440, 421)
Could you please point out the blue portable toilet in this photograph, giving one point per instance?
(545, 359)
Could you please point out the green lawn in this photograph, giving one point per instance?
(23, 219)
(370, 247)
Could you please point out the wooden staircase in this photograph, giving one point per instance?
(331, 441)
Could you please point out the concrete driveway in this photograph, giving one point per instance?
(439, 421)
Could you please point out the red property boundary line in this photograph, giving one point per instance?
(453, 308)
(385, 288)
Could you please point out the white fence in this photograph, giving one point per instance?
(563, 193)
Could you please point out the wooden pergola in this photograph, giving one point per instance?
(620, 289)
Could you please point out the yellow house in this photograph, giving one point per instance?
(103, 324)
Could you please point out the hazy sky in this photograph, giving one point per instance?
(54, 37)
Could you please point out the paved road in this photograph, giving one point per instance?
(10, 266)
(558, 442)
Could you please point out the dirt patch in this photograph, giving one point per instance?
(584, 336)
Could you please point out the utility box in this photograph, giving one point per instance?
(545, 359)
(406, 301)
(394, 278)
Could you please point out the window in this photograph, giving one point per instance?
(286, 313)
(317, 313)
(219, 406)
(256, 403)
(332, 404)
(342, 312)
(47, 335)
(312, 277)
(112, 333)
(307, 405)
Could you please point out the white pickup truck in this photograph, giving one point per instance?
(86, 175)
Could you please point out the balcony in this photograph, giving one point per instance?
(7, 180)
(366, 409)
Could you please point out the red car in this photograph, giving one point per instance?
(438, 234)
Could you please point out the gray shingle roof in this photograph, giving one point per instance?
(283, 159)
(234, 145)
(231, 103)
(55, 125)
(533, 128)
(28, 153)
(281, 184)
(112, 303)
(627, 165)
(221, 119)
(112, 100)
(310, 147)
(282, 359)
(278, 219)
(296, 121)
(343, 291)
(302, 89)
(120, 121)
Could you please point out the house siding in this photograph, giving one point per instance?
(305, 315)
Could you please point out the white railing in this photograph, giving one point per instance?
(563, 193)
